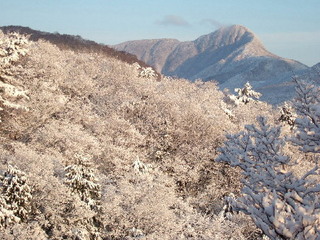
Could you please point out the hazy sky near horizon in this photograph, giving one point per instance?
(288, 28)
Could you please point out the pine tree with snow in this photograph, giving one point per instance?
(147, 72)
(82, 180)
(307, 106)
(80, 177)
(12, 47)
(144, 72)
(139, 167)
(245, 95)
(281, 204)
(288, 115)
(7, 216)
(16, 192)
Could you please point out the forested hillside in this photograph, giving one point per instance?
(93, 147)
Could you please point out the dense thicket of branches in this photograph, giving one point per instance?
(281, 204)
(307, 106)
(152, 144)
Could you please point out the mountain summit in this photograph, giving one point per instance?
(231, 56)
(235, 34)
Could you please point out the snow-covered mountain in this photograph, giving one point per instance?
(231, 56)
(316, 68)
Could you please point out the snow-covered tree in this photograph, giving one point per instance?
(245, 95)
(12, 47)
(307, 106)
(10, 91)
(7, 216)
(16, 192)
(82, 180)
(147, 72)
(139, 167)
(281, 204)
(144, 72)
(258, 149)
(287, 114)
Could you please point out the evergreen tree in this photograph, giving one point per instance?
(245, 95)
(287, 114)
(147, 72)
(82, 180)
(7, 216)
(139, 167)
(16, 192)
(12, 47)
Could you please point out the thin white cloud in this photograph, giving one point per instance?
(212, 22)
(173, 20)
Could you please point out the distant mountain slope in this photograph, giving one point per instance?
(155, 52)
(316, 68)
(231, 55)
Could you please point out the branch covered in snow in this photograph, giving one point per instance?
(281, 204)
(307, 106)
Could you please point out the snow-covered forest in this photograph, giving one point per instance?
(93, 147)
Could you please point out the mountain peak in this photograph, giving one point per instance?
(236, 27)
(228, 35)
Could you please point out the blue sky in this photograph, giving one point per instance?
(289, 28)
